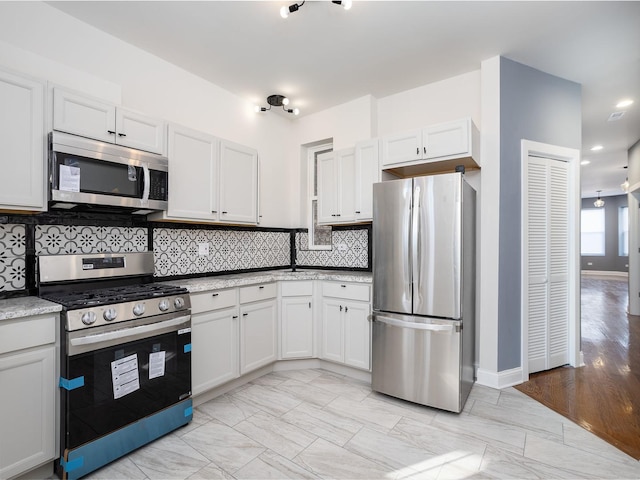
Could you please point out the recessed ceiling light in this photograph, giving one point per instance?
(595, 148)
(585, 162)
(624, 103)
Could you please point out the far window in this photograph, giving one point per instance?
(319, 235)
(623, 231)
(592, 232)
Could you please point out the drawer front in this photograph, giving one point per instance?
(253, 293)
(27, 332)
(349, 291)
(296, 289)
(213, 300)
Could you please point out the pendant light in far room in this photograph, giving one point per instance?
(599, 202)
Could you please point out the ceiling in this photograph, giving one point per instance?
(323, 55)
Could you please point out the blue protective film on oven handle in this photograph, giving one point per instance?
(187, 348)
(71, 384)
(71, 465)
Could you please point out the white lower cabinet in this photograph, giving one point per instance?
(296, 320)
(346, 332)
(258, 326)
(214, 339)
(27, 376)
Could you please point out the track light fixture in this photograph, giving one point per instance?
(599, 202)
(285, 11)
(277, 101)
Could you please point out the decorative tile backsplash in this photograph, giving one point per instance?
(349, 250)
(179, 251)
(57, 239)
(12, 257)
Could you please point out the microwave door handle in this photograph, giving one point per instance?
(147, 183)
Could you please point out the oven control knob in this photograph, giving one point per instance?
(138, 309)
(163, 305)
(179, 302)
(88, 318)
(110, 314)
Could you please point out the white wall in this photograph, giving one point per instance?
(437, 102)
(79, 56)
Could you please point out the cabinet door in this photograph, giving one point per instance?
(367, 173)
(346, 181)
(27, 436)
(193, 172)
(214, 354)
(357, 338)
(402, 147)
(327, 188)
(238, 183)
(297, 327)
(332, 330)
(88, 117)
(22, 184)
(447, 139)
(258, 342)
(139, 131)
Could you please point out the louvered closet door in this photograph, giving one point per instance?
(547, 261)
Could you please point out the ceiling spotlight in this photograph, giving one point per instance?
(624, 103)
(625, 185)
(599, 202)
(595, 148)
(277, 101)
(346, 4)
(285, 11)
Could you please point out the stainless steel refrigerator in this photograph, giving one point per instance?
(424, 289)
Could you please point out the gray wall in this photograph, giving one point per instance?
(543, 108)
(611, 261)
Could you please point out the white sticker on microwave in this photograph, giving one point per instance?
(69, 178)
(156, 364)
(124, 373)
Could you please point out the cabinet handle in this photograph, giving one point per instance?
(358, 211)
(261, 287)
(245, 314)
(234, 317)
(224, 213)
(214, 211)
(215, 294)
(340, 307)
(346, 309)
(425, 149)
(309, 304)
(417, 150)
(343, 286)
(122, 134)
(338, 215)
(111, 132)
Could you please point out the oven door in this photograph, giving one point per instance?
(112, 376)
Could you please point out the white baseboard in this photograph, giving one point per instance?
(503, 379)
(604, 273)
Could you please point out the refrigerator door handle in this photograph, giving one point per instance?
(416, 326)
(415, 245)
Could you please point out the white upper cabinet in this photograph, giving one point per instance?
(210, 180)
(23, 140)
(345, 183)
(93, 118)
(436, 148)
(239, 183)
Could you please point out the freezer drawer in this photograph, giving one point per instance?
(419, 362)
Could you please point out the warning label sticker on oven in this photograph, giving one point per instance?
(124, 373)
(156, 364)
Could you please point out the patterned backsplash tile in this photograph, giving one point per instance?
(57, 239)
(350, 249)
(12, 257)
(178, 251)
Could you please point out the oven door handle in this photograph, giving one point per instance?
(131, 333)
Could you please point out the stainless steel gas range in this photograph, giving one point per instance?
(125, 356)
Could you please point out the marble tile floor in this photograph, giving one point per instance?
(317, 424)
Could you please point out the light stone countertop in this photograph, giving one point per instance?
(25, 307)
(203, 284)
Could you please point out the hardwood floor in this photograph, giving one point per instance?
(604, 395)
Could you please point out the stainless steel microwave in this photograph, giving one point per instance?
(85, 172)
